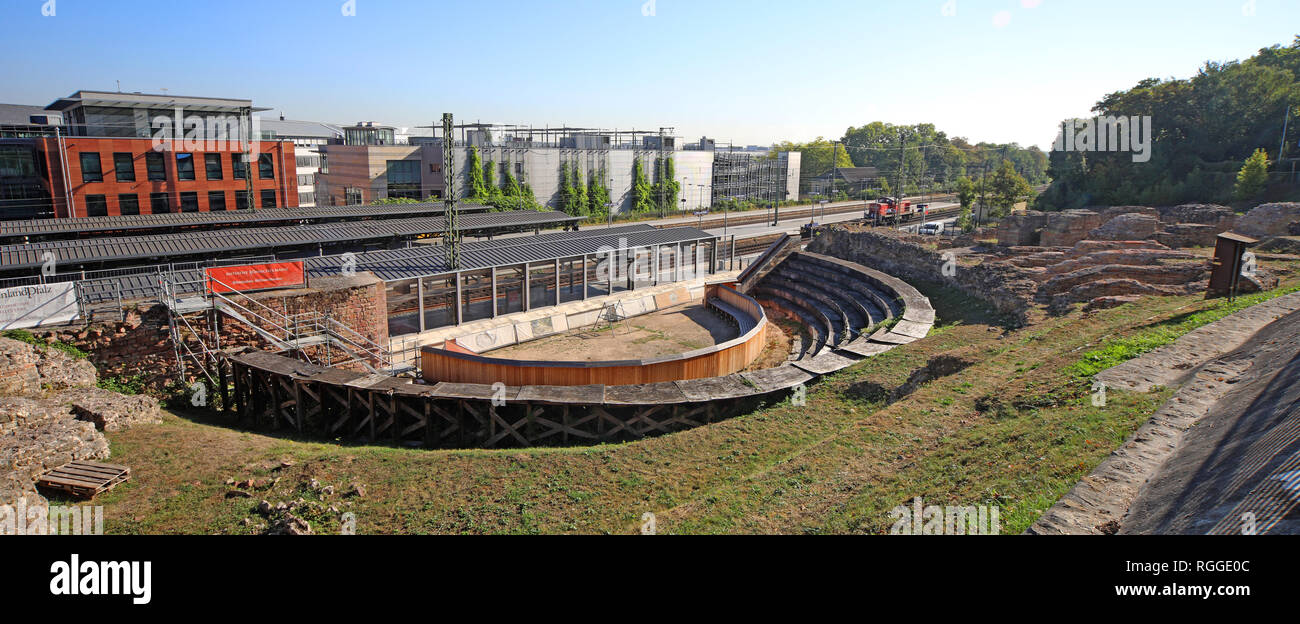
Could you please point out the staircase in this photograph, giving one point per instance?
(314, 337)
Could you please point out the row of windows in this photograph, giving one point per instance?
(156, 169)
(161, 203)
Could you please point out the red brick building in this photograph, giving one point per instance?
(136, 153)
(97, 176)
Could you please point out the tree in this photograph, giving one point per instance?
(815, 160)
(489, 179)
(510, 187)
(966, 192)
(580, 207)
(597, 193)
(1253, 175)
(1006, 189)
(477, 190)
(642, 193)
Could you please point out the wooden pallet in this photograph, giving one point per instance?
(84, 479)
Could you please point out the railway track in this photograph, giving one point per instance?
(748, 218)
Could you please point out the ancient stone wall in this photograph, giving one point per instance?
(140, 346)
(1006, 288)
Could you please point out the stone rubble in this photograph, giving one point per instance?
(51, 413)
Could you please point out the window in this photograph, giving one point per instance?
(306, 198)
(153, 161)
(268, 198)
(90, 168)
(96, 206)
(159, 203)
(265, 167)
(241, 200)
(305, 179)
(519, 169)
(212, 163)
(435, 167)
(189, 201)
(238, 168)
(404, 179)
(128, 204)
(185, 166)
(353, 197)
(124, 167)
(216, 200)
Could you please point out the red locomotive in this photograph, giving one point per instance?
(892, 208)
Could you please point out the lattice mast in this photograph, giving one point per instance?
(451, 238)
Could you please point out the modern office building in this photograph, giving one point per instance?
(355, 173)
(133, 153)
(307, 138)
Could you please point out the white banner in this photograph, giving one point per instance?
(40, 304)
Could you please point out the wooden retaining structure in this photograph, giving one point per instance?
(462, 366)
(269, 391)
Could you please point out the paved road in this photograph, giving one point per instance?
(1241, 463)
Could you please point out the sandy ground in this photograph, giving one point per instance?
(675, 330)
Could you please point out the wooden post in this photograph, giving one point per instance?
(556, 277)
(221, 380)
(584, 277)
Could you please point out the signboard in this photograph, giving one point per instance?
(40, 304)
(252, 277)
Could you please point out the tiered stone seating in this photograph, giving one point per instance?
(841, 303)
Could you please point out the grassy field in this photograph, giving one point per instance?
(1007, 420)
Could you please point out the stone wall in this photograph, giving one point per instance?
(1008, 289)
(1064, 229)
(55, 418)
(1270, 220)
(141, 346)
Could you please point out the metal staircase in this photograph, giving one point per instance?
(314, 337)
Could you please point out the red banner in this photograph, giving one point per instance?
(257, 277)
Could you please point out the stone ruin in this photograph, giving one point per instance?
(1110, 256)
(51, 413)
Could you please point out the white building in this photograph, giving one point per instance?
(307, 137)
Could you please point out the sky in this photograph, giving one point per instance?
(748, 72)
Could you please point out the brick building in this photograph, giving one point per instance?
(124, 154)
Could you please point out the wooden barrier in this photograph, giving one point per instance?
(446, 365)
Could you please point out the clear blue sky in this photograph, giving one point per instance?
(749, 71)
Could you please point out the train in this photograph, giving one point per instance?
(895, 209)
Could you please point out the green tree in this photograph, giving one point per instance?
(966, 192)
(509, 186)
(597, 193)
(489, 179)
(477, 189)
(1006, 188)
(580, 207)
(1253, 175)
(642, 193)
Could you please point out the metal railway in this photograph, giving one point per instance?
(36, 230)
(303, 239)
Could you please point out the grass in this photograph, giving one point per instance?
(123, 385)
(1016, 429)
(22, 335)
(1148, 339)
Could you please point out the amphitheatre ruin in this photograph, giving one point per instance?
(590, 338)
